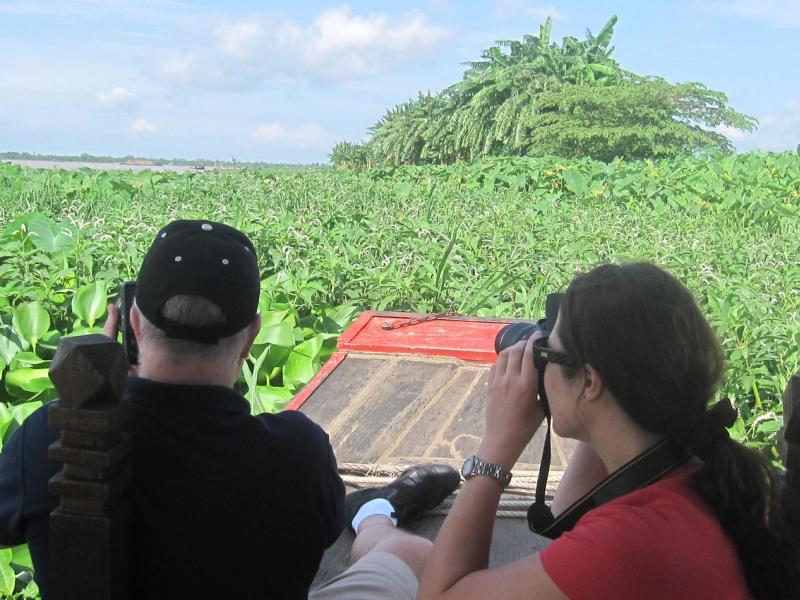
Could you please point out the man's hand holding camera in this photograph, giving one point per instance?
(111, 325)
(111, 329)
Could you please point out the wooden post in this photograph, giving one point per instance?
(89, 531)
(790, 452)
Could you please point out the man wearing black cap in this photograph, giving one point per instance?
(224, 504)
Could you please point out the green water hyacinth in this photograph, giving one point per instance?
(490, 238)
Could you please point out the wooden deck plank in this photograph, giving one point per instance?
(400, 409)
(429, 419)
(351, 375)
(382, 408)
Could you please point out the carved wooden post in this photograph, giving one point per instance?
(790, 452)
(89, 531)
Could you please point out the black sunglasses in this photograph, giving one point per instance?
(542, 354)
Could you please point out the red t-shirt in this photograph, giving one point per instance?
(658, 542)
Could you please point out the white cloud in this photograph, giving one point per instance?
(203, 69)
(242, 40)
(778, 13)
(733, 134)
(777, 132)
(335, 45)
(142, 126)
(118, 97)
(303, 136)
(269, 132)
(178, 67)
(505, 9)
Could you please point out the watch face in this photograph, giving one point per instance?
(466, 469)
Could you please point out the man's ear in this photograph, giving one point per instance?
(593, 383)
(255, 327)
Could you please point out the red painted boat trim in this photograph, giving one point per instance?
(465, 338)
(356, 326)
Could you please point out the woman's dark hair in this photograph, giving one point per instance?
(643, 332)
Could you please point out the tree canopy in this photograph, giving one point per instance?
(535, 97)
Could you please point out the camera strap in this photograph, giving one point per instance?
(540, 517)
(643, 470)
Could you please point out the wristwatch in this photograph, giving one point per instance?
(475, 466)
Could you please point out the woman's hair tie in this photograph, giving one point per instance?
(702, 432)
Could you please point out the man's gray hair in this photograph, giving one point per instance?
(197, 311)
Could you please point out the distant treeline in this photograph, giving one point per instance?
(179, 162)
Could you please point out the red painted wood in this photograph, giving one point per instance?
(317, 380)
(466, 338)
(356, 326)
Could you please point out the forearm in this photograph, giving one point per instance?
(584, 471)
(462, 544)
(512, 416)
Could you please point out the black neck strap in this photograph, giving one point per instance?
(539, 514)
(648, 467)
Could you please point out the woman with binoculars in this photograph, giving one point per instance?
(631, 366)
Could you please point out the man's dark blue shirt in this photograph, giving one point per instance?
(224, 504)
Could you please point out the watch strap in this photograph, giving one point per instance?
(482, 467)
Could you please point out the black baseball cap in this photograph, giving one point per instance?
(200, 258)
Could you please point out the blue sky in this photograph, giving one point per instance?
(282, 82)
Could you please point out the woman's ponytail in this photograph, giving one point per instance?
(744, 491)
(742, 488)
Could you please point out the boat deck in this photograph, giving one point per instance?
(390, 398)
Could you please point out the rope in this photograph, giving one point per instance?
(514, 503)
(388, 325)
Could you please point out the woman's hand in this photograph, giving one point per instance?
(513, 412)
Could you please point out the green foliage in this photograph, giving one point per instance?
(89, 302)
(31, 322)
(346, 155)
(489, 239)
(16, 574)
(536, 98)
(648, 118)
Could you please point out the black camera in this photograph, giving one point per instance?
(124, 303)
(516, 332)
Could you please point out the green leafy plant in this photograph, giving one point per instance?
(490, 238)
(89, 302)
(31, 322)
(533, 97)
(16, 574)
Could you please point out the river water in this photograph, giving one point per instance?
(52, 164)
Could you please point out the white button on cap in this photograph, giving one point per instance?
(225, 261)
(178, 258)
(163, 235)
(206, 227)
